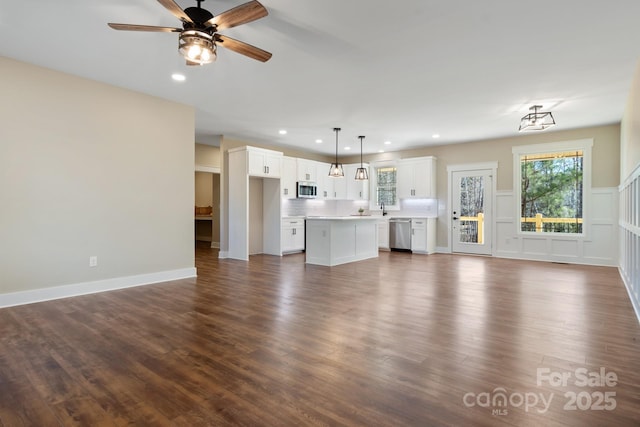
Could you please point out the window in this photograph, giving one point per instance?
(385, 191)
(553, 182)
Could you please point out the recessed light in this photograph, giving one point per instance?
(387, 142)
(347, 148)
(435, 136)
(318, 141)
(282, 132)
(178, 77)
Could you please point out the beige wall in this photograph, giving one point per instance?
(204, 189)
(606, 154)
(630, 140)
(606, 159)
(88, 169)
(229, 143)
(207, 155)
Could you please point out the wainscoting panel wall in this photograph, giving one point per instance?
(599, 247)
(629, 226)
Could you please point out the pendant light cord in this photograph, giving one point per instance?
(336, 131)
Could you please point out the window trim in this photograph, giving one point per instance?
(580, 144)
(373, 179)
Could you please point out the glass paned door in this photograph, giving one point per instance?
(471, 211)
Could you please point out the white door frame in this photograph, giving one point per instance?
(493, 166)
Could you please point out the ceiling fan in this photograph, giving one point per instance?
(199, 35)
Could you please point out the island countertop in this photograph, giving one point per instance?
(341, 218)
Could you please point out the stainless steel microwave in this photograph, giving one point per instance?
(306, 190)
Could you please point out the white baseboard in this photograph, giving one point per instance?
(215, 245)
(634, 302)
(443, 250)
(65, 291)
(223, 254)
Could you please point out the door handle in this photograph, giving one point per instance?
(455, 218)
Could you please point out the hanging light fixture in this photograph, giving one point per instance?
(336, 170)
(538, 120)
(361, 172)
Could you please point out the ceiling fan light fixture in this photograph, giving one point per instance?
(538, 120)
(197, 47)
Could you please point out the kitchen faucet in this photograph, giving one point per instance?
(384, 212)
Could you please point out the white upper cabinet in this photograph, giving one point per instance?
(288, 179)
(340, 186)
(416, 178)
(265, 163)
(324, 181)
(356, 190)
(346, 188)
(307, 170)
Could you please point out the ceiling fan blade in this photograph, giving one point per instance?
(152, 28)
(238, 15)
(177, 11)
(243, 48)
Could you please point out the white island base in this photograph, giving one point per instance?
(339, 240)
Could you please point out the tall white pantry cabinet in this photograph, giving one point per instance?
(245, 164)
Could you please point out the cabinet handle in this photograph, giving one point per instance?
(286, 191)
(325, 194)
(267, 169)
(293, 231)
(413, 231)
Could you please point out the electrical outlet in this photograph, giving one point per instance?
(93, 261)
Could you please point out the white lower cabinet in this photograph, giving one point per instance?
(292, 235)
(383, 234)
(423, 235)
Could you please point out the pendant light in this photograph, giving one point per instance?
(361, 172)
(336, 170)
(538, 120)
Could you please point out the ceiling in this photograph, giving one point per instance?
(391, 71)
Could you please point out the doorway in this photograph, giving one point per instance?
(207, 207)
(471, 193)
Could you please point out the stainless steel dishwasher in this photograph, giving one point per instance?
(400, 234)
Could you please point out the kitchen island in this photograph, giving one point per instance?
(338, 240)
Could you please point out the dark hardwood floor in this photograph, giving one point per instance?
(401, 340)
